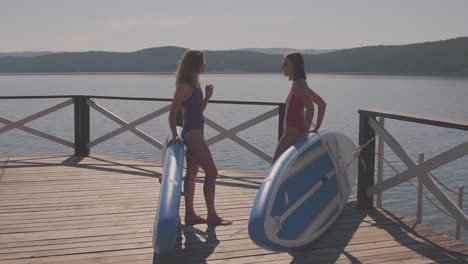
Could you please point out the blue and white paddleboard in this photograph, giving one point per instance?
(304, 192)
(167, 214)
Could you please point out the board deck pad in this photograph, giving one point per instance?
(304, 192)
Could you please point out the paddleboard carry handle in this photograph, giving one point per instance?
(174, 141)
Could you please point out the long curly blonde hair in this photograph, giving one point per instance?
(189, 66)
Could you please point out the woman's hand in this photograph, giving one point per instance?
(174, 139)
(209, 91)
(304, 134)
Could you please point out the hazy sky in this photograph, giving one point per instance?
(117, 25)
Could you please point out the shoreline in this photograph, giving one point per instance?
(233, 73)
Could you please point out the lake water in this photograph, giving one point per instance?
(344, 94)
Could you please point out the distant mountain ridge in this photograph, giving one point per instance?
(273, 51)
(283, 51)
(446, 57)
(27, 53)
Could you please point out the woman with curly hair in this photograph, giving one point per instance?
(188, 97)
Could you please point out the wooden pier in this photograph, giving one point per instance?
(99, 209)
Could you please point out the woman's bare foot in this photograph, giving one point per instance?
(217, 221)
(194, 219)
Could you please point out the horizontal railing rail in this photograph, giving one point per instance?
(421, 169)
(137, 99)
(84, 103)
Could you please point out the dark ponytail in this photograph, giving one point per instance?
(298, 61)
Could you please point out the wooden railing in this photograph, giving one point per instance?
(367, 188)
(84, 103)
(21, 124)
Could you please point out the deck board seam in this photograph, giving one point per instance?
(3, 168)
(82, 228)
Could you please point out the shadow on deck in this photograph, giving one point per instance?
(62, 209)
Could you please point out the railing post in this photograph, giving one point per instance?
(460, 204)
(419, 209)
(82, 123)
(380, 163)
(281, 115)
(366, 172)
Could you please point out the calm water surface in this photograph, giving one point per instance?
(344, 94)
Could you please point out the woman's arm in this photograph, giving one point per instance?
(181, 94)
(321, 105)
(208, 94)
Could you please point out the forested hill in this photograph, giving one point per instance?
(446, 57)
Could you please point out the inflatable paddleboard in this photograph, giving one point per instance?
(167, 215)
(304, 192)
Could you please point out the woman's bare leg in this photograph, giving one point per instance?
(189, 189)
(288, 139)
(200, 151)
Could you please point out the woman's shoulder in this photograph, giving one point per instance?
(183, 85)
(184, 88)
(300, 85)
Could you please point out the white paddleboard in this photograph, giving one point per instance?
(304, 192)
(166, 222)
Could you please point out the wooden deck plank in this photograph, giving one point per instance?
(228, 240)
(147, 220)
(238, 231)
(101, 210)
(144, 220)
(362, 235)
(193, 252)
